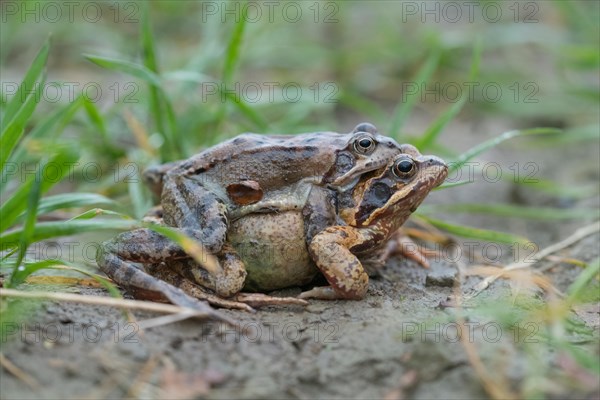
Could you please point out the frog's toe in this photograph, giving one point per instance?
(261, 300)
(403, 245)
(321, 293)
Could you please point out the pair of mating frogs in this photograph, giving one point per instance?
(275, 211)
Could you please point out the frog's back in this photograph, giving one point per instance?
(254, 143)
(271, 159)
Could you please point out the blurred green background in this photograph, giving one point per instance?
(109, 88)
(129, 84)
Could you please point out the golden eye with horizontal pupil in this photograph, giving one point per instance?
(404, 168)
(364, 144)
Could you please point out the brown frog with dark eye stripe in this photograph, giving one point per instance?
(248, 175)
(336, 231)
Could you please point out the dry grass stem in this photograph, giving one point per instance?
(19, 373)
(579, 234)
(113, 302)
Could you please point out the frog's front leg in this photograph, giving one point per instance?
(331, 251)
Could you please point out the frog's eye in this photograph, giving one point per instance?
(364, 144)
(404, 168)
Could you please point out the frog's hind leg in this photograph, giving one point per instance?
(193, 279)
(114, 262)
(149, 247)
(168, 274)
(239, 301)
(197, 211)
(226, 283)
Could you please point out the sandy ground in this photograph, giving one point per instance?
(399, 342)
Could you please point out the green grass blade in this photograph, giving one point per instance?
(61, 165)
(21, 275)
(480, 148)
(73, 200)
(576, 288)
(232, 54)
(449, 185)
(404, 107)
(48, 127)
(127, 67)
(95, 117)
(248, 111)
(514, 211)
(433, 131)
(47, 230)
(29, 225)
(98, 122)
(16, 128)
(94, 212)
(144, 73)
(160, 106)
(147, 39)
(31, 77)
(140, 200)
(192, 247)
(474, 233)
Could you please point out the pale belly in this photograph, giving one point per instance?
(273, 249)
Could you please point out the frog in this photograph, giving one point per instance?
(334, 235)
(355, 225)
(249, 174)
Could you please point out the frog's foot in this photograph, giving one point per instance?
(115, 258)
(163, 273)
(261, 300)
(239, 301)
(403, 245)
(226, 283)
(145, 286)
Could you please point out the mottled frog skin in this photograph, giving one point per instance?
(248, 175)
(335, 230)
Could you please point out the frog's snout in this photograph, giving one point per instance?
(436, 167)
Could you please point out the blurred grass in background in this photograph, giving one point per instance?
(151, 82)
(128, 84)
(141, 84)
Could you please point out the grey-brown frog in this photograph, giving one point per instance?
(249, 174)
(331, 234)
(285, 249)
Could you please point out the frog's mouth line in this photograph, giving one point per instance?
(342, 187)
